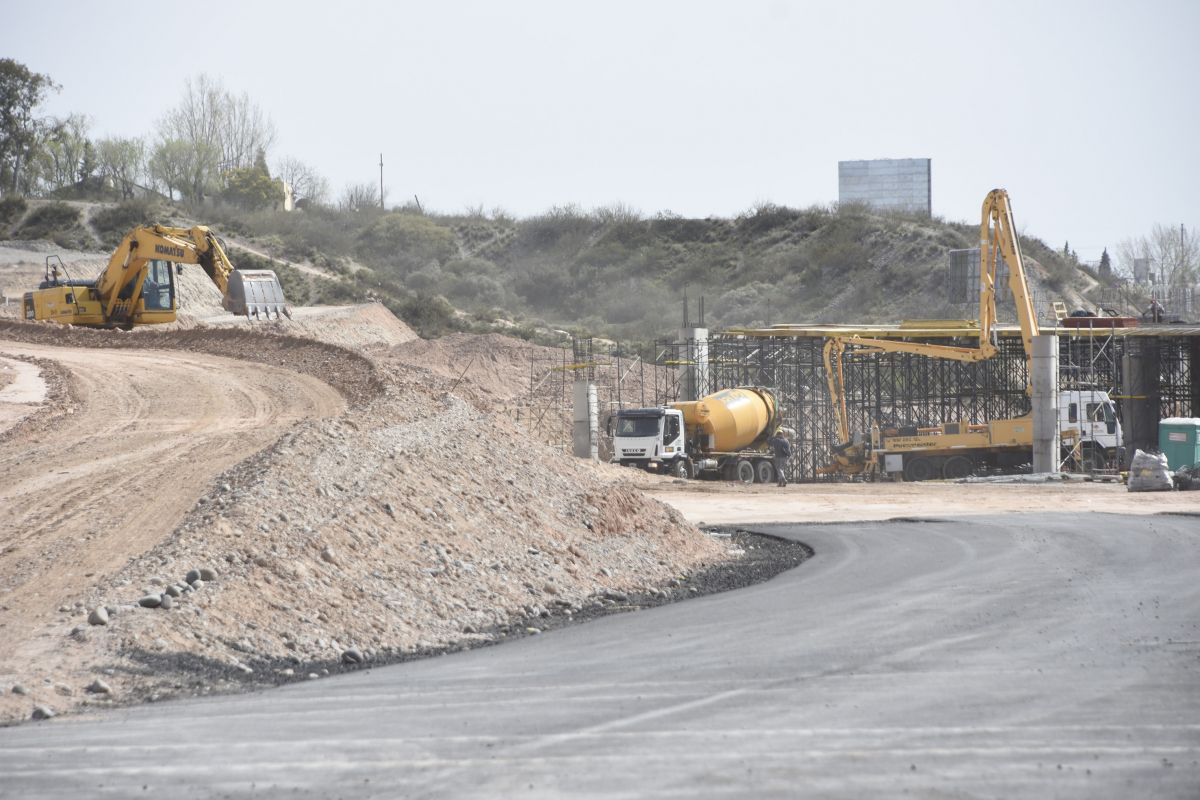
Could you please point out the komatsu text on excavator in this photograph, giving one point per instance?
(138, 285)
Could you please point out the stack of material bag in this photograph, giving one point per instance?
(1149, 473)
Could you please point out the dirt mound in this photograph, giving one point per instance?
(362, 326)
(367, 325)
(494, 365)
(354, 376)
(413, 522)
(196, 294)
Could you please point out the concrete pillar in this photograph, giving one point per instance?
(1139, 387)
(1046, 437)
(693, 380)
(585, 420)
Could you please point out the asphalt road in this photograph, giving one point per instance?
(993, 657)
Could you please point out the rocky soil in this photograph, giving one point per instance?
(420, 520)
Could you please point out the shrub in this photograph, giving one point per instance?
(11, 209)
(406, 240)
(112, 223)
(429, 315)
(766, 217)
(561, 226)
(46, 221)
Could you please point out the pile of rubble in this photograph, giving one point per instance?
(416, 522)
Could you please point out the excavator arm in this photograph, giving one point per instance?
(250, 292)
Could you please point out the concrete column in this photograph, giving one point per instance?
(585, 420)
(693, 380)
(593, 423)
(1046, 437)
(1140, 387)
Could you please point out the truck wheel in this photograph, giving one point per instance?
(744, 472)
(957, 467)
(1094, 460)
(680, 468)
(918, 469)
(764, 472)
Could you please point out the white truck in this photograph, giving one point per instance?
(1092, 413)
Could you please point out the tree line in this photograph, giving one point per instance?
(214, 143)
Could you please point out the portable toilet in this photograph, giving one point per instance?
(1179, 440)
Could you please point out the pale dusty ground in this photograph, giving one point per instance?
(118, 470)
(723, 503)
(385, 503)
(22, 391)
(345, 502)
(363, 326)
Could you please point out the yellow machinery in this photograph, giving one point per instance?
(138, 285)
(954, 449)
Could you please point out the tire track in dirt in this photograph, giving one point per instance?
(108, 481)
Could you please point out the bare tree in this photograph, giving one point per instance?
(1174, 254)
(244, 131)
(122, 161)
(64, 156)
(359, 197)
(224, 132)
(306, 183)
(171, 165)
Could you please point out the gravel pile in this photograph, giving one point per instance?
(415, 523)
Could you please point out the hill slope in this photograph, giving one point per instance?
(608, 272)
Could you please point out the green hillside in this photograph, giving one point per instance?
(609, 273)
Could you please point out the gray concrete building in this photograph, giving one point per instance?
(899, 184)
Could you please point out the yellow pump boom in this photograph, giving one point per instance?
(997, 238)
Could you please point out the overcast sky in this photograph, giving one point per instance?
(1085, 111)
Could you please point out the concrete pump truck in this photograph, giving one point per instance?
(1087, 418)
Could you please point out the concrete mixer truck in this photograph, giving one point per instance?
(720, 436)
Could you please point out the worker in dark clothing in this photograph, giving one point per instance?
(781, 449)
(1155, 311)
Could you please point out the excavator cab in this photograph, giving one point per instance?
(158, 289)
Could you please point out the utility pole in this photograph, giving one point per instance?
(381, 181)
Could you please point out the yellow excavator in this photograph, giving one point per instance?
(138, 285)
(953, 449)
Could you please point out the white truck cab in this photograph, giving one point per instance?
(1093, 414)
(645, 435)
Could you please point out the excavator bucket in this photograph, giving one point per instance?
(256, 294)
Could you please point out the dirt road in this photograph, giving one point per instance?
(719, 503)
(109, 479)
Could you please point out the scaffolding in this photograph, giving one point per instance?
(624, 378)
(909, 390)
(900, 389)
